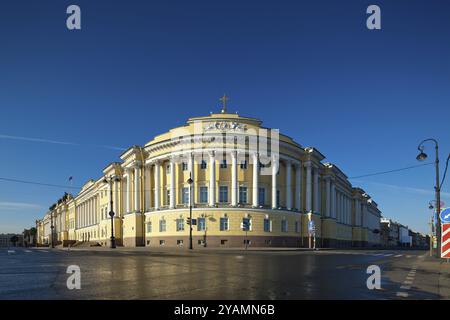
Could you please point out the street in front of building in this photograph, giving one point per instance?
(143, 273)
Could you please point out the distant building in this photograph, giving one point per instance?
(389, 233)
(405, 238)
(29, 237)
(6, 240)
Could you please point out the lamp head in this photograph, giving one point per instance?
(421, 156)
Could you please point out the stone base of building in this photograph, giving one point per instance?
(133, 242)
(226, 241)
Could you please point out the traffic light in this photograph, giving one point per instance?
(188, 221)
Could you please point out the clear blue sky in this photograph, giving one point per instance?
(138, 68)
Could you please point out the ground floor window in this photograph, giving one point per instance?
(297, 226)
(284, 225)
(162, 225)
(180, 224)
(268, 242)
(223, 242)
(201, 224)
(223, 224)
(162, 242)
(267, 225)
(180, 242)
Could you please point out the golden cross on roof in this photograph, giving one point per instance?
(224, 100)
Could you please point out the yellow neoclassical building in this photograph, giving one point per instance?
(240, 172)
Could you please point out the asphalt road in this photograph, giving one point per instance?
(211, 274)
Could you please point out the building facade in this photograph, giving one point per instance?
(239, 171)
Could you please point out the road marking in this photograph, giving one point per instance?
(410, 278)
(405, 287)
(44, 251)
(27, 251)
(378, 254)
(407, 282)
(389, 254)
(399, 255)
(11, 251)
(402, 294)
(408, 256)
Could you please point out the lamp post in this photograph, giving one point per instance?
(52, 227)
(190, 182)
(421, 157)
(110, 181)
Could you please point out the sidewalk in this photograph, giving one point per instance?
(434, 276)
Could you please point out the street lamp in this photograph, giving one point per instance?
(421, 157)
(190, 182)
(52, 227)
(110, 181)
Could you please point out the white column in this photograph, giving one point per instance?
(274, 165)
(288, 185)
(234, 195)
(172, 183)
(328, 196)
(255, 185)
(357, 212)
(333, 200)
(316, 190)
(156, 174)
(147, 187)
(91, 211)
(298, 186)
(84, 214)
(116, 194)
(137, 189)
(212, 179)
(308, 187)
(128, 192)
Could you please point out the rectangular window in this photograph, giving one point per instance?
(223, 242)
(278, 198)
(203, 165)
(180, 242)
(162, 225)
(203, 194)
(162, 242)
(149, 227)
(284, 225)
(184, 166)
(268, 242)
(180, 224)
(167, 196)
(223, 194)
(201, 224)
(261, 196)
(185, 195)
(223, 224)
(244, 165)
(223, 164)
(267, 225)
(242, 194)
(297, 226)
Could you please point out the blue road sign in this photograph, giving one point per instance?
(194, 222)
(445, 215)
(246, 224)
